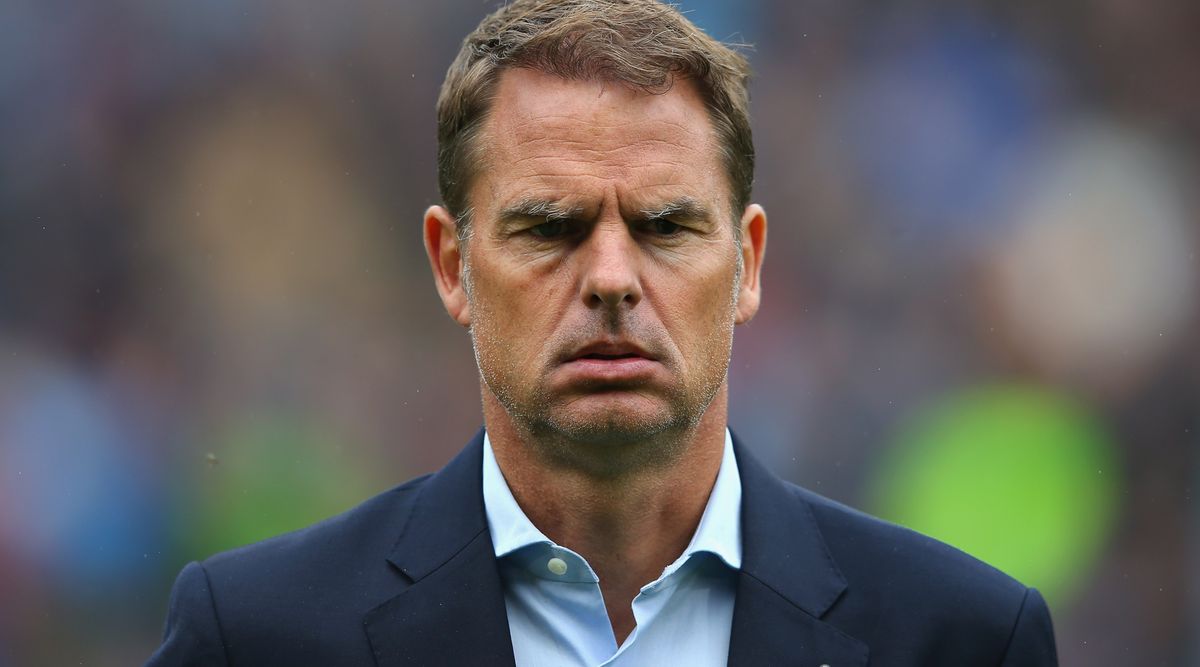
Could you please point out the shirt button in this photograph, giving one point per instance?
(557, 566)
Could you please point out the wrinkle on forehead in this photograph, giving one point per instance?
(548, 133)
(591, 137)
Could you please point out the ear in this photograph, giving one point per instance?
(445, 258)
(754, 246)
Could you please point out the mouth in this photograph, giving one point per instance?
(609, 351)
(610, 364)
(609, 357)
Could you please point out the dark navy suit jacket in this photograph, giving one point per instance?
(410, 578)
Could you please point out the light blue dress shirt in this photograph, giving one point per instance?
(556, 613)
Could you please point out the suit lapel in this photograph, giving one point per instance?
(453, 611)
(788, 580)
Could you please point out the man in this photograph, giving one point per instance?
(598, 241)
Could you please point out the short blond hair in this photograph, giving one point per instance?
(644, 44)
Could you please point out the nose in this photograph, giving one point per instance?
(610, 266)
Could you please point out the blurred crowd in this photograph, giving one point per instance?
(980, 314)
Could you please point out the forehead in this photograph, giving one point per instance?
(554, 137)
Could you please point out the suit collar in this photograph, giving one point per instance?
(453, 611)
(782, 542)
(448, 515)
(788, 582)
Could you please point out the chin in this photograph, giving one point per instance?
(611, 429)
(614, 418)
(608, 435)
(618, 435)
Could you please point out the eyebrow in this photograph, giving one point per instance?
(687, 208)
(684, 207)
(530, 207)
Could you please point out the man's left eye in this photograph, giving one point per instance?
(663, 227)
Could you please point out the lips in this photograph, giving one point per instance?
(609, 351)
(610, 363)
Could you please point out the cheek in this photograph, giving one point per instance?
(698, 310)
(514, 312)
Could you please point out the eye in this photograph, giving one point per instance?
(551, 229)
(662, 227)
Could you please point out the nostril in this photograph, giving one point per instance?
(612, 298)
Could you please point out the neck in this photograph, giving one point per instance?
(629, 526)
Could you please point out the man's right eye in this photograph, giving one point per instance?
(550, 229)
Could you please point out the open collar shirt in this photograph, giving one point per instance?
(556, 613)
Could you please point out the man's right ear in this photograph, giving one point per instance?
(446, 260)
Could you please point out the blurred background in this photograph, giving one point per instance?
(980, 320)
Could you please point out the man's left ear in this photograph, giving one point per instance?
(754, 246)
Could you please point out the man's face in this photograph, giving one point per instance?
(603, 280)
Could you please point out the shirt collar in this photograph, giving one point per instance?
(510, 528)
(719, 531)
